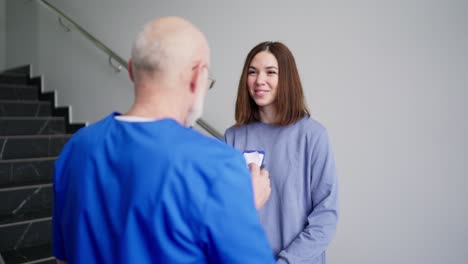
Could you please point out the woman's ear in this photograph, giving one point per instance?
(130, 69)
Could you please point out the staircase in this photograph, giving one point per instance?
(32, 134)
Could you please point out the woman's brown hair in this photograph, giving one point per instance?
(289, 102)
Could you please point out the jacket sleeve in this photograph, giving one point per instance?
(312, 242)
(232, 231)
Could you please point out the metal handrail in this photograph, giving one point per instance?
(203, 124)
(112, 55)
(85, 33)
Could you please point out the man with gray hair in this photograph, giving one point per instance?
(142, 187)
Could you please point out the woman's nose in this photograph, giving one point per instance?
(260, 78)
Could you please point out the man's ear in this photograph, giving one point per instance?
(130, 70)
(195, 78)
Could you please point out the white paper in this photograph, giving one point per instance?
(254, 157)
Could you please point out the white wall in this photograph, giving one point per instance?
(388, 79)
(78, 71)
(2, 34)
(21, 33)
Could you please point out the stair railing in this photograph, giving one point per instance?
(112, 55)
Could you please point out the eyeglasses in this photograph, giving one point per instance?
(211, 82)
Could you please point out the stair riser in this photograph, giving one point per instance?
(19, 202)
(40, 254)
(18, 93)
(24, 70)
(14, 79)
(25, 235)
(30, 147)
(25, 109)
(34, 172)
(40, 126)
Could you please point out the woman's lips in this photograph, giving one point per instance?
(260, 92)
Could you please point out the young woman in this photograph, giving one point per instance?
(301, 214)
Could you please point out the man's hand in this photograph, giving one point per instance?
(261, 185)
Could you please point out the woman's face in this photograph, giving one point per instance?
(262, 79)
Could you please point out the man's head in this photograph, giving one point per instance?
(169, 63)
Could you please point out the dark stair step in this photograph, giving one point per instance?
(43, 125)
(18, 92)
(26, 171)
(14, 78)
(28, 149)
(22, 200)
(28, 217)
(27, 230)
(31, 146)
(25, 69)
(25, 108)
(41, 254)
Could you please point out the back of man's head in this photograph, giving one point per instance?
(166, 48)
(169, 67)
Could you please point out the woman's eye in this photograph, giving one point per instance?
(251, 72)
(271, 72)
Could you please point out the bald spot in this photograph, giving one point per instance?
(180, 44)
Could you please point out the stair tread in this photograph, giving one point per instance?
(32, 118)
(28, 160)
(43, 215)
(14, 73)
(36, 136)
(24, 185)
(16, 85)
(24, 69)
(28, 254)
(6, 101)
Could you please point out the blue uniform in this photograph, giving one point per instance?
(153, 192)
(301, 214)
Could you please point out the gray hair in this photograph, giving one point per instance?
(147, 54)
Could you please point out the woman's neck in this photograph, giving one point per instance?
(268, 114)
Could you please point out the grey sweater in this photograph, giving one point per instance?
(301, 214)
